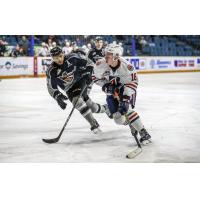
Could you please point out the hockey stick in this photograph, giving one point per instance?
(54, 140)
(138, 150)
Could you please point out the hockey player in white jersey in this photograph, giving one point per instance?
(119, 81)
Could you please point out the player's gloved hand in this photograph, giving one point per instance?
(115, 81)
(124, 105)
(60, 100)
(109, 88)
(88, 78)
(87, 75)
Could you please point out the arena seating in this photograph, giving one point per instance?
(171, 46)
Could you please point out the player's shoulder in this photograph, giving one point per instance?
(126, 64)
(75, 56)
(51, 69)
(124, 61)
(71, 56)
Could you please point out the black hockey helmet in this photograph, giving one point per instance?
(98, 38)
(55, 51)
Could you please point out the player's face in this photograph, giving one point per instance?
(58, 59)
(99, 44)
(109, 58)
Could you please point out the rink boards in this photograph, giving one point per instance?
(36, 66)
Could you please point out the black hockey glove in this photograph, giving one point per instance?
(60, 100)
(115, 81)
(124, 105)
(87, 75)
(109, 88)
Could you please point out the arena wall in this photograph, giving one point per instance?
(36, 66)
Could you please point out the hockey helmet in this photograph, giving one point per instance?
(115, 49)
(55, 51)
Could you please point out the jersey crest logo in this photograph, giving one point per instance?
(67, 77)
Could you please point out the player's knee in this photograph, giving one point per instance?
(78, 101)
(119, 119)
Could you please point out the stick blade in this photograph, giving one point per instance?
(50, 141)
(134, 153)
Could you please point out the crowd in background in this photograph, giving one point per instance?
(72, 43)
(69, 45)
(146, 45)
(14, 46)
(20, 45)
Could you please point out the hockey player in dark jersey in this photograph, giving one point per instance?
(98, 52)
(70, 74)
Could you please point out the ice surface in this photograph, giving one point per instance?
(169, 106)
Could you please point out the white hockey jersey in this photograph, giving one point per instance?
(126, 72)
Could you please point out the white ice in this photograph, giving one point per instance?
(169, 106)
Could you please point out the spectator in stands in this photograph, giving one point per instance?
(74, 46)
(17, 51)
(67, 49)
(78, 41)
(54, 44)
(2, 47)
(121, 48)
(89, 46)
(44, 50)
(49, 43)
(24, 43)
(142, 42)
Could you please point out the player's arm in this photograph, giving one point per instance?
(85, 67)
(131, 83)
(52, 83)
(130, 88)
(53, 89)
(98, 72)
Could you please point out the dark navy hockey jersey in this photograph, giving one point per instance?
(96, 54)
(65, 75)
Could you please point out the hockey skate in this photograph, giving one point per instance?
(95, 128)
(145, 137)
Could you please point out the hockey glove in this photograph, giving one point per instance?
(87, 75)
(109, 88)
(124, 105)
(60, 100)
(88, 78)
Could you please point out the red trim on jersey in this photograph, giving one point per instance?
(131, 85)
(132, 116)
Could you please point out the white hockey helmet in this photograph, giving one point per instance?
(115, 49)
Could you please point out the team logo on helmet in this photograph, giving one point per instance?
(55, 51)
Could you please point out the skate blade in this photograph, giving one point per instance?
(146, 142)
(97, 131)
(134, 153)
